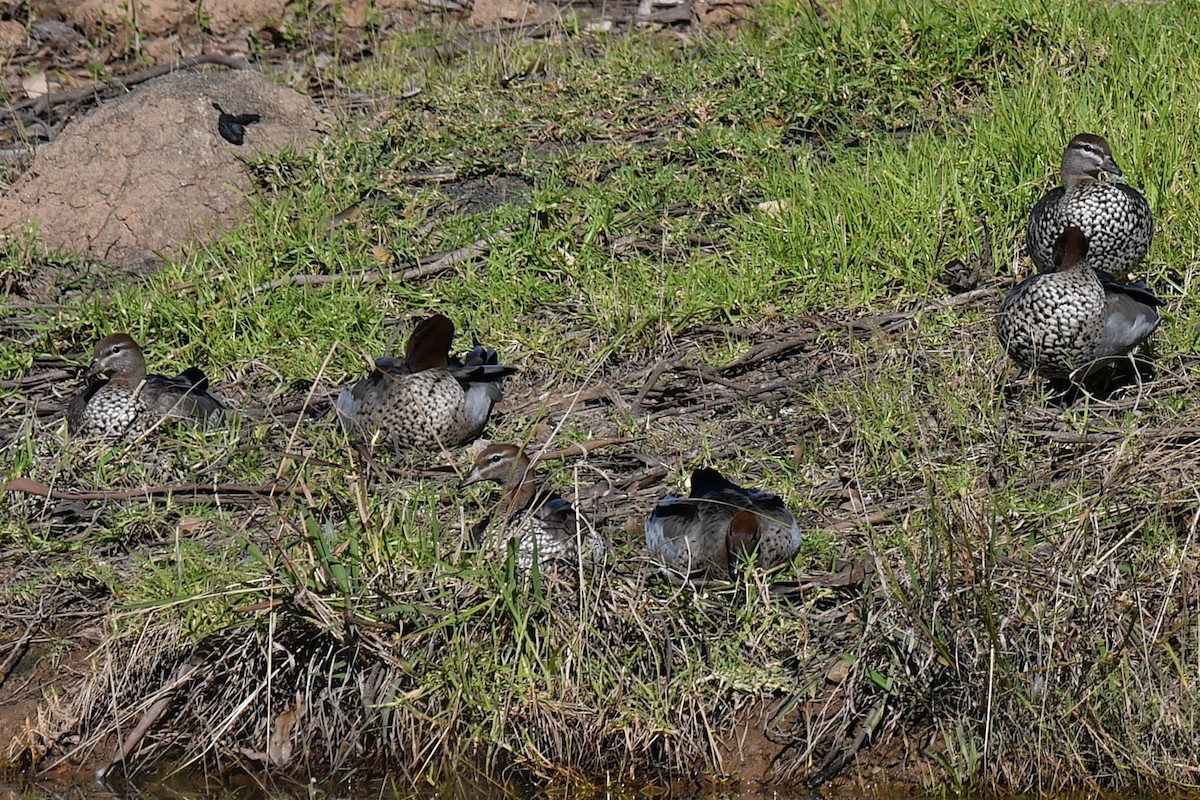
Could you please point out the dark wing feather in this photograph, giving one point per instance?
(185, 396)
(707, 481)
(429, 343)
(1138, 290)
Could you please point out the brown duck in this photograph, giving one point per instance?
(121, 398)
(546, 527)
(719, 524)
(1114, 217)
(1058, 323)
(428, 399)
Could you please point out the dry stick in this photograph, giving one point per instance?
(428, 266)
(834, 766)
(771, 349)
(43, 103)
(547, 404)
(709, 374)
(702, 374)
(470, 41)
(304, 460)
(873, 518)
(777, 347)
(854, 575)
(31, 381)
(762, 394)
(1070, 437)
(182, 677)
(18, 649)
(38, 489)
(963, 299)
(652, 380)
(1181, 436)
(584, 448)
(566, 414)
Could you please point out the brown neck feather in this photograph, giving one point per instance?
(1075, 182)
(132, 377)
(519, 496)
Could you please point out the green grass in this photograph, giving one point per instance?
(1032, 607)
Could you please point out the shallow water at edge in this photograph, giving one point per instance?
(194, 787)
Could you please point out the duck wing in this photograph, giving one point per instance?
(1131, 315)
(481, 363)
(481, 375)
(182, 397)
(1138, 290)
(689, 533)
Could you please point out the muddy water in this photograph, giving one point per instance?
(194, 788)
(179, 787)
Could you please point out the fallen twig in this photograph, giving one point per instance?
(40, 104)
(583, 448)
(31, 381)
(842, 757)
(428, 266)
(182, 677)
(14, 655)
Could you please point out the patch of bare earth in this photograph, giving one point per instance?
(146, 171)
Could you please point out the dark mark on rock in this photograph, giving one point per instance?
(232, 127)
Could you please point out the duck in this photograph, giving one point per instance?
(1058, 323)
(547, 528)
(121, 398)
(718, 526)
(1114, 216)
(429, 399)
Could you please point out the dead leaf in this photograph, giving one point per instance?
(773, 208)
(36, 85)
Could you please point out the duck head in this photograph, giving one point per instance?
(117, 358)
(1087, 156)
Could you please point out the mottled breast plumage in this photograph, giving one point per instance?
(1057, 322)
